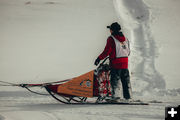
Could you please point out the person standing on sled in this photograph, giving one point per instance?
(117, 48)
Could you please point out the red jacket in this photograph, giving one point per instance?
(110, 50)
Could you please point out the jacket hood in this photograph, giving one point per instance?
(119, 36)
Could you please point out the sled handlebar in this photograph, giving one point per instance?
(104, 61)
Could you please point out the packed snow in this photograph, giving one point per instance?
(52, 40)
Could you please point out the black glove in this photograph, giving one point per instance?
(97, 61)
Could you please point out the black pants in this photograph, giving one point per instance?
(123, 75)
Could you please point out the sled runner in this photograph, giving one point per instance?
(94, 84)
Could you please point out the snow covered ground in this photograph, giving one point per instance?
(27, 106)
(51, 40)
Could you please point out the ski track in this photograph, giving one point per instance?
(143, 45)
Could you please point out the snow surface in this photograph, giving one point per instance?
(52, 40)
(165, 27)
(27, 106)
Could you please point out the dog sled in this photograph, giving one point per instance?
(94, 84)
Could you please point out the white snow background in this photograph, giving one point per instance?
(52, 40)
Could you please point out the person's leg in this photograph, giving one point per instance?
(125, 79)
(114, 80)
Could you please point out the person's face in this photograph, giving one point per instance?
(111, 31)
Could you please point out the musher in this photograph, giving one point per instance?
(117, 48)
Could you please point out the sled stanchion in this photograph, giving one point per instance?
(50, 92)
(35, 92)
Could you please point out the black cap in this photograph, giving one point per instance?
(115, 27)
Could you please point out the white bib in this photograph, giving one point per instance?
(122, 48)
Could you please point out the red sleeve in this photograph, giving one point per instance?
(107, 49)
